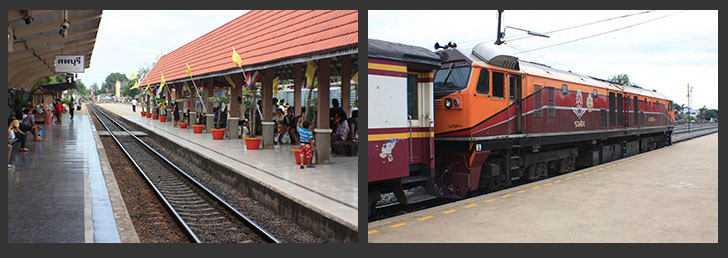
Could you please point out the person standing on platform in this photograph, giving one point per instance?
(58, 110)
(304, 130)
(71, 108)
(175, 112)
(133, 106)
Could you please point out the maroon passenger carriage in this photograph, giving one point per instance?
(400, 121)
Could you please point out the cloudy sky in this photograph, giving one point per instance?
(661, 50)
(128, 40)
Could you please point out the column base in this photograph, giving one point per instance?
(268, 133)
(323, 145)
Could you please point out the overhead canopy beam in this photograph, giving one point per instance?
(34, 29)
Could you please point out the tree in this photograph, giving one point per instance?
(621, 78)
(110, 82)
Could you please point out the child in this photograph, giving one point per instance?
(304, 130)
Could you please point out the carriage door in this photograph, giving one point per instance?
(413, 118)
(515, 92)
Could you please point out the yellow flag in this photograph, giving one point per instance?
(230, 81)
(136, 85)
(189, 71)
(147, 89)
(132, 76)
(355, 77)
(311, 67)
(163, 81)
(236, 59)
(275, 86)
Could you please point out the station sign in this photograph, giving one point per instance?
(69, 64)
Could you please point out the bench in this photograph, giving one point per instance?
(347, 148)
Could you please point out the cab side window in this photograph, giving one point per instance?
(499, 85)
(483, 86)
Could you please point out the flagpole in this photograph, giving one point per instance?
(204, 109)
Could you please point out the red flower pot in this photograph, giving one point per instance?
(183, 125)
(149, 115)
(252, 143)
(155, 116)
(144, 113)
(163, 119)
(197, 128)
(218, 134)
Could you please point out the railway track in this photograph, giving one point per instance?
(389, 206)
(204, 216)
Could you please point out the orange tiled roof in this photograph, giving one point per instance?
(260, 37)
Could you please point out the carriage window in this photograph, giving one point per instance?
(482, 87)
(595, 93)
(498, 85)
(412, 110)
(564, 89)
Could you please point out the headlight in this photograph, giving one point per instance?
(456, 102)
(448, 103)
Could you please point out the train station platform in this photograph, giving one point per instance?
(328, 189)
(669, 195)
(63, 189)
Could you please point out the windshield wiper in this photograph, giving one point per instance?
(447, 77)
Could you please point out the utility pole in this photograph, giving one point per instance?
(690, 89)
(499, 35)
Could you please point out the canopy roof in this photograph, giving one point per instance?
(263, 38)
(34, 41)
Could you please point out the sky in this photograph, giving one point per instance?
(661, 50)
(129, 40)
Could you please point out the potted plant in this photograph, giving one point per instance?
(181, 124)
(218, 132)
(163, 111)
(252, 142)
(199, 122)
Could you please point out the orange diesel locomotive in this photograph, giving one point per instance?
(500, 119)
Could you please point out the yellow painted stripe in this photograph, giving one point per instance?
(577, 175)
(471, 205)
(388, 67)
(490, 200)
(425, 218)
(506, 196)
(389, 136)
(373, 231)
(600, 169)
(547, 184)
(521, 191)
(535, 187)
(558, 181)
(450, 211)
(398, 225)
(568, 178)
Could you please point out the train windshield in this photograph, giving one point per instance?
(452, 78)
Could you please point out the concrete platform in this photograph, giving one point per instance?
(328, 189)
(63, 191)
(669, 195)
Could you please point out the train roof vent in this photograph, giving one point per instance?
(495, 55)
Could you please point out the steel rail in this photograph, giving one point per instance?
(247, 221)
(159, 194)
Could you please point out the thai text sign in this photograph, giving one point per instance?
(69, 64)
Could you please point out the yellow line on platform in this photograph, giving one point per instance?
(398, 225)
(450, 211)
(471, 205)
(558, 181)
(373, 231)
(425, 218)
(547, 184)
(521, 191)
(568, 178)
(577, 175)
(535, 187)
(506, 196)
(490, 200)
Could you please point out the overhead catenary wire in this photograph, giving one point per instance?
(598, 34)
(567, 28)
